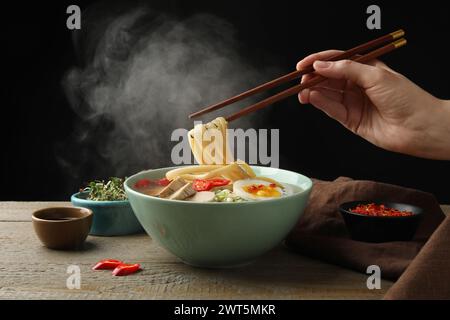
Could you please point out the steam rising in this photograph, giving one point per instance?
(143, 74)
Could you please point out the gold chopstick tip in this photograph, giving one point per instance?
(397, 34)
(400, 43)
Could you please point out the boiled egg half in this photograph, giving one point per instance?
(253, 189)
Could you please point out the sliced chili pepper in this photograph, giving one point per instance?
(201, 185)
(143, 183)
(219, 182)
(163, 182)
(205, 185)
(126, 269)
(107, 264)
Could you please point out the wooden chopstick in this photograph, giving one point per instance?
(314, 81)
(298, 73)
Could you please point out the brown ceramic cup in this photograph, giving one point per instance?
(62, 227)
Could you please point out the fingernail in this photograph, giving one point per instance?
(322, 64)
(304, 96)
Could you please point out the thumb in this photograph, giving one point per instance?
(363, 75)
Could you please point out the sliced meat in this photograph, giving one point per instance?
(184, 192)
(172, 187)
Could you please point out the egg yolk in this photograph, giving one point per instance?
(263, 191)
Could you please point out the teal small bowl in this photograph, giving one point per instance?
(111, 218)
(219, 235)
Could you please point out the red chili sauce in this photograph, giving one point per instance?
(380, 210)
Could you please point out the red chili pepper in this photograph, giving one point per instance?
(126, 269)
(143, 183)
(219, 182)
(163, 182)
(107, 264)
(201, 185)
(205, 185)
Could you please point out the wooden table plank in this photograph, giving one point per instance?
(30, 271)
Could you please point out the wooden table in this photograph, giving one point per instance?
(30, 271)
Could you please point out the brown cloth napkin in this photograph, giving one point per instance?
(321, 231)
(428, 275)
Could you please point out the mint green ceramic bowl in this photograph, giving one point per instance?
(219, 234)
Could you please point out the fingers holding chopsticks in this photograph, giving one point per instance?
(346, 94)
(364, 75)
(323, 55)
(329, 54)
(325, 68)
(333, 84)
(340, 75)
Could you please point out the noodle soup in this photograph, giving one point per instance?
(216, 189)
(217, 178)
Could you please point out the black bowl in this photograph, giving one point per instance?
(381, 229)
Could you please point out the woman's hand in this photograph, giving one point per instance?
(380, 105)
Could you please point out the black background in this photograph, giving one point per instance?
(35, 115)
